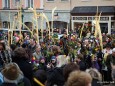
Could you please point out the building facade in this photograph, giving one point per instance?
(61, 14)
(10, 8)
(75, 12)
(69, 13)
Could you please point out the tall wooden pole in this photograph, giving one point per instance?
(52, 18)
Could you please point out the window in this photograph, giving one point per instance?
(6, 24)
(85, 0)
(6, 3)
(29, 3)
(50, 0)
(41, 4)
(29, 25)
(64, 0)
(17, 2)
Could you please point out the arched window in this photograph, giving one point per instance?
(6, 24)
(29, 25)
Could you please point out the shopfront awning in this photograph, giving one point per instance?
(91, 10)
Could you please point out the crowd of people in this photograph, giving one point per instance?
(67, 61)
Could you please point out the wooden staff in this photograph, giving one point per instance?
(45, 17)
(67, 29)
(26, 27)
(9, 31)
(12, 32)
(52, 18)
(47, 23)
(35, 15)
(42, 27)
(82, 30)
(33, 28)
(9, 36)
(38, 82)
(20, 14)
(96, 24)
(37, 35)
(99, 32)
(98, 29)
(34, 19)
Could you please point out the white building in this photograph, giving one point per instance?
(76, 12)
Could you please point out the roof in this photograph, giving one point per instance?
(93, 10)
